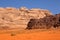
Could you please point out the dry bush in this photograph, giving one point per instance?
(13, 34)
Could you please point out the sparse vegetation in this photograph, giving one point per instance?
(13, 34)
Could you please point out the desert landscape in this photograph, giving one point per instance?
(28, 24)
(30, 35)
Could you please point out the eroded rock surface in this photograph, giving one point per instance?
(19, 17)
(48, 22)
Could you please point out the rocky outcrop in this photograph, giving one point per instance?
(11, 17)
(52, 21)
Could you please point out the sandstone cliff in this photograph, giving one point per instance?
(48, 22)
(19, 17)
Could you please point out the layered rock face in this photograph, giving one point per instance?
(48, 22)
(19, 17)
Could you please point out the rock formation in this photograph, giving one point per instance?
(11, 17)
(52, 21)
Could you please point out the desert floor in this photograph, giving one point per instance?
(36, 34)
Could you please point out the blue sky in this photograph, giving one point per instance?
(52, 5)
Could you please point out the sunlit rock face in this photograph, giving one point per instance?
(11, 17)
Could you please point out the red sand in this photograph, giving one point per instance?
(38, 35)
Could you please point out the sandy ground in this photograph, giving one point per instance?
(29, 34)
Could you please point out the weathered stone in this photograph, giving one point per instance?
(52, 21)
(19, 18)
